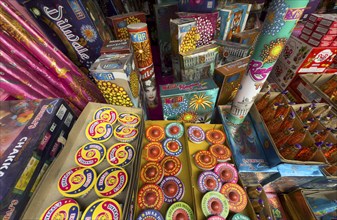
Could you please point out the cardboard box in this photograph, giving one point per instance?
(304, 37)
(77, 28)
(269, 146)
(195, 6)
(193, 148)
(310, 25)
(322, 37)
(192, 101)
(228, 78)
(233, 19)
(297, 205)
(327, 20)
(247, 150)
(179, 28)
(304, 90)
(326, 182)
(119, 23)
(246, 37)
(299, 57)
(326, 30)
(184, 175)
(307, 31)
(230, 51)
(198, 64)
(318, 43)
(47, 192)
(290, 177)
(117, 46)
(34, 128)
(117, 71)
(206, 25)
(276, 207)
(163, 15)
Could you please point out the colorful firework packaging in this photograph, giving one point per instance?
(198, 64)
(117, 78)
(90, 154)
(189, 101)
(281, 19)
(119, 23)
(77, 28)
(117, 46)
(68, 208)
(108, 208)
(142, 49)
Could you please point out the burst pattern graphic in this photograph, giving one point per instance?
(89, 33)
(274, 20)
(174, 109)
(272, 51)
(202, 100)
(188, 117)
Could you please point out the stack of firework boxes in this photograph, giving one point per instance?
(32, 134)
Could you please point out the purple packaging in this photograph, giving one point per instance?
(76, 27)
(197, 5)
(27, 128)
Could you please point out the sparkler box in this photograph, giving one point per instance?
(228, 78)
(231, 51)
(117, 79)
(247, 150)
(192, 101)
(76, 27)
(119, 23)
(199, 64)
(246, 37)
(117, 46)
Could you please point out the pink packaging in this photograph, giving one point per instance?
(326, 30)
(306, 31)
(327, 20)
(304, 37)
(206, 25)
(310, 25)
(318, 43)
(31, 40)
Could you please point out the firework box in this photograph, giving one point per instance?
(117, 46)
(46, 192)
(246, 37)
(117, 71)
(276, 207)
(247, 150)
(194, 6)
(233, 19)
(228, 78)
(77, 28)
(30, 129)
(297, 206)
(192, 101)
(290, 177)
(269, 146)
(327, 182)
(193, 148)
(315, 81)
(179, 27)
(326, 20)
(206, 25)
(299, 57)
(230, 51)
(184, 175)
(198, 64)
(164, 13)
(119, 23)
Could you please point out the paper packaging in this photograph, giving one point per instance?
(195, 6)
(163, 15)
(304, 37)
(31, 129)
(317, 43)
(246, 37)
(77, 31)
(299, 57)
(192, 101)
(47, 192)
(117, 46)
(118, 23)
(112, 71)
(321, 37)
(276, 206)
(327, 20)
(310, 25)
(247, 150)
(206, 25)
(233, 19)
(297, 206)
(228, 78)
(179, 28)
(195, 171)
(198, 64)
(290, 177)
(326, 30)
(327, 182)
(184, 175)
(269, 146)
(230, 51)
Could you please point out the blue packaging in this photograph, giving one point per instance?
(249, 157)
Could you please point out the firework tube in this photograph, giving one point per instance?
(281, 19)
(142, 49)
